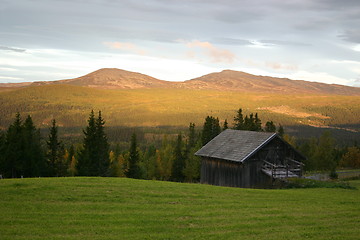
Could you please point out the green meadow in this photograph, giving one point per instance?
(121, 208)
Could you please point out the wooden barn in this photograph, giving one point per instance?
(248, 159)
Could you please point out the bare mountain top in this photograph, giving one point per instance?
(112, 78)
(240, 81)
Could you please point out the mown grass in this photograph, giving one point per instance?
(120, 208)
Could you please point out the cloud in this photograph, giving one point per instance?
(233, 41)
(352, 35)
(10, 78)
(284, 42)
(216, 54)
(12, 49)
(125, 46)
(280, 66)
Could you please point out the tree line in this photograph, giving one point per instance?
(23, 154)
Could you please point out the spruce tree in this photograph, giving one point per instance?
(270, 126)
(54, 153)
(281, 131)
(257, 123)
(239, 120)
(103, 160)
(134, 168)
(225, 125)
(13, 164)
(179, 161)
(33, 155)
(2, 152)
(94, 157)
(192, 137)
(210, 130)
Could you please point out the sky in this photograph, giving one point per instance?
(315, 40)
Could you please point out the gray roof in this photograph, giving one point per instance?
(235, 145)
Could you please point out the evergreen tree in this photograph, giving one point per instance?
(324, 155)
(225, 125)
(13, 164)
(270, 126)
(2, 152)
(134, 169)
(192, 165)
(257, 123)
(33, 156)
(54, 153)
(210, 130)
(179, 161)
(281, 131)
(94, 157)
(239, 120)
(192, 137)
(102, 147)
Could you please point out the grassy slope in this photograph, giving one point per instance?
(70, 105)
(115, 208)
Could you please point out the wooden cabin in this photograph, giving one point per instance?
(248, 159)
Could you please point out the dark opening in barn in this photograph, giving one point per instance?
(248, 159)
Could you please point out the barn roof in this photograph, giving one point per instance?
(235, 145)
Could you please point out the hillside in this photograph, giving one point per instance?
(121, 208)
(227, 80)
(111, 78)
(70, 105)
(240, 81)
(148, 102)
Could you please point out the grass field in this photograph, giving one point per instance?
(120, 208)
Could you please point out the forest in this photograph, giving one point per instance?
(26, 152)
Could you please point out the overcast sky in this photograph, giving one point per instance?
(317, 40)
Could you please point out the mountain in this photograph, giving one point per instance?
(112, 78)
(240, 81)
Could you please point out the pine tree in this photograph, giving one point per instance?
(281, 131)
(2, 152)
(134, 168)
(103, 161)
(94, 157)
(54, 153)
(192, 137)
(225, 125)
(14, 150)
(179, 161)
(33, 155)
(270, 126)
(257, 123)
(210, 130)
(239, 120)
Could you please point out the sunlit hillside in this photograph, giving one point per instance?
(70, 106)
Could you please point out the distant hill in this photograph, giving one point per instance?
(241, 81)
(112, 78)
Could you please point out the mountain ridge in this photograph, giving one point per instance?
(113, 78)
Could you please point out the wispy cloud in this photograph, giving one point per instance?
(10, 78)
(12, 49)
(281, 66)
(126, 46)
(216, 54)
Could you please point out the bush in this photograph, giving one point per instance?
(310, 183)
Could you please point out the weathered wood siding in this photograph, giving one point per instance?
(232, 174)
